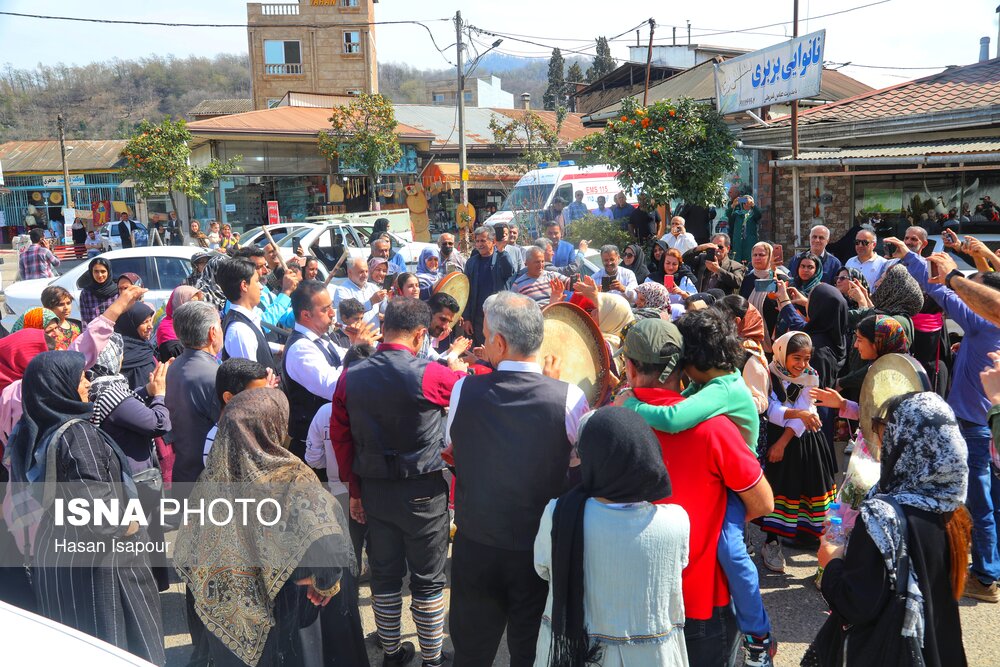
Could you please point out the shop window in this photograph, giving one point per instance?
(437, 98)
(467, 96)
(352, 41)
(282, 57)
(348, 3)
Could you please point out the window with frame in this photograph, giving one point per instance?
(349, 3)
(352, 41)
(467, 95)
(437, 98)
(282, 57)
(273, 102)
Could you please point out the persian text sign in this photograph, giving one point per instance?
(781, 73)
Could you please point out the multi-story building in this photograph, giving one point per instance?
(322, 46)
(479, 92)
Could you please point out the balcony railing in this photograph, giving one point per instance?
(295, 68)
(283, 9)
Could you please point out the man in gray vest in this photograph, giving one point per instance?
(513, 432)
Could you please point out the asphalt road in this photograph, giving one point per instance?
(796, 608)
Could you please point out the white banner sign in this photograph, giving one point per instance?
(775, 75)
(58, 181)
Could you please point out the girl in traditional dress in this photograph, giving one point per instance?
(799, 463)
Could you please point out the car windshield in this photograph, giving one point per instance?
(527, 197)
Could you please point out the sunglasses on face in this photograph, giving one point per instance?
(630, 254)
(446, 243)
(861, 242)
(841, 279)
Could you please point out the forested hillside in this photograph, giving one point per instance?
(106, 100)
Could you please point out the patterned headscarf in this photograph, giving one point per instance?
(108, 387)
(206, 282)
(36, 318)
(655, 294)
(924, 465)
(898, 293)
(251, 563)
(889, 336)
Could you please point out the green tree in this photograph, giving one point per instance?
(603, 62)
(668, 149)
(556, 89)
(157, 159)
(537, 141)
(573, 76)
(363, 137)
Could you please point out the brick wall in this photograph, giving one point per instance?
(822, 200)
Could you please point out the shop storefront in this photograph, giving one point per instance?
(488, 186)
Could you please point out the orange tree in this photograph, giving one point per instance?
(157, 158)
(362, 136)
(668, 150)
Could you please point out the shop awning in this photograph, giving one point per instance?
(445, 175)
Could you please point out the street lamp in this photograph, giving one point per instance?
(462, 160)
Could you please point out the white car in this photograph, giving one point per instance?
(162, 268)
(278, 232)
(353, 236)
(992, 242)
(110, 240)
(33, 639)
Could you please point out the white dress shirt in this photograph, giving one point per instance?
(871, 270)
(363, 294)
(682, 243)
(626, 277)
(306, 364)
(319, 450)
(576, 402)
(240, 340)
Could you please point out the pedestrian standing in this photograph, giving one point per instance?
(513, 432)
(37, 261)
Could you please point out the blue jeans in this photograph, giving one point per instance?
(983, 503)
(714, 642)
(744, 586)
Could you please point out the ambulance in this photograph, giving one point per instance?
(537, 189)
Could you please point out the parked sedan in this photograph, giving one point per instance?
(256, 236)
(162, 268)
(110, 239)
(353, 236)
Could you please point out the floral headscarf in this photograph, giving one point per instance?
(890, 336)
(655, 294)
(36, 318)
(924, 465)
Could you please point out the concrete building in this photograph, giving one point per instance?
(478, 93)
(682, 56)
(326, 46)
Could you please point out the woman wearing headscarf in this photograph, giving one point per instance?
(167, 344)
(427, 272)
(278, 581)
(761, 269)
(98, 289)
(136, 328)
(845, 277)
(613, 314)
(654, 269)
(206, 281)
(684, 280)
(897, 586)
(652, 300)
(634, 259)
(110, 594)
(612, 557)
(38, 318)
(133, 419)
(808, 276)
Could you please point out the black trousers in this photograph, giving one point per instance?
(407, 530)
(493, 589)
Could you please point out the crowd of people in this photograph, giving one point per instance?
(401, 426)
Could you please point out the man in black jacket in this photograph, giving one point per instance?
(489, 271)
(713, 268)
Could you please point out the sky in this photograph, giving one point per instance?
(888, 34)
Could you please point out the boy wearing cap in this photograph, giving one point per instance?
(708, 460)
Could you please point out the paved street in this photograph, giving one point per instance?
(797, 611)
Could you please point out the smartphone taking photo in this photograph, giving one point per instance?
(389, 279)
(606, 283)
(668, 282)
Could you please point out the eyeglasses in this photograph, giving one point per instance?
(629, 254)
(862, 242)
(841, 279)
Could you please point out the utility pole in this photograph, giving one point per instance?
(67, 202)
(462, 160)
(649, 62)
(796, 204)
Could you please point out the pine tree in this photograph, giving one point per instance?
(554, 94)
(574, 74)
(603, 62)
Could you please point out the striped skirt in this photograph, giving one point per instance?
(803, 486)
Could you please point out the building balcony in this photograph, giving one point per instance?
(282, 9)
(282, 70)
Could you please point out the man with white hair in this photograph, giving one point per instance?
(535, 282)
(678, 237)
(357, 287)
(916, 239)
(819, 237)
(512, 432)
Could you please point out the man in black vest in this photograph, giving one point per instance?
(240, 282)
(513, 431)
(387, 432)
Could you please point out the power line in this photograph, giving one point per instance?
(780, 23)
(889, 67)
(217, 25)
